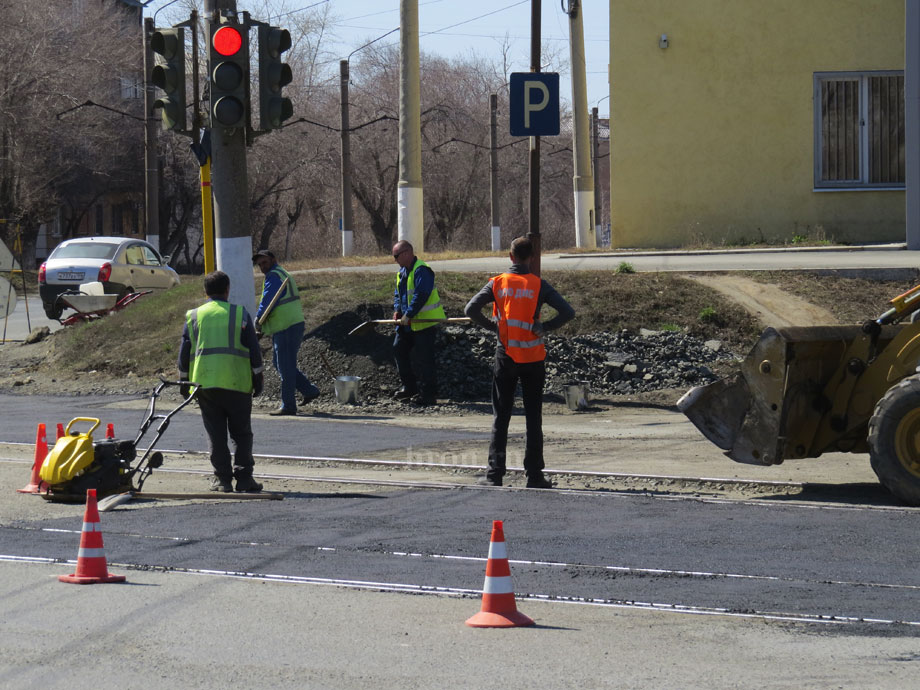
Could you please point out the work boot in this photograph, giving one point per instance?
(311, 394)
(282, 411)
(247, 485)
(404, 393)
(485, 480)
(222, 485)
(540, 482)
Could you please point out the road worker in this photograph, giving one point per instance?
(517, 297)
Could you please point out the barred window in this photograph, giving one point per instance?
(859, 130)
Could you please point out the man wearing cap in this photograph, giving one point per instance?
(285, 325)
(220, 352)
(517, 298)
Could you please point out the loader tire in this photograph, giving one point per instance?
(894, 440)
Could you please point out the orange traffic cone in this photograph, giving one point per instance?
(91, 564)
(41, 450)
(110, 431)
(60, 431)
(498, 607)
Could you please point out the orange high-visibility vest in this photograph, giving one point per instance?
(515, 307)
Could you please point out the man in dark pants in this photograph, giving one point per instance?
(220, 352)
(415, 297)
(517, 297)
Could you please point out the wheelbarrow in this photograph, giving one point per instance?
(90, 303)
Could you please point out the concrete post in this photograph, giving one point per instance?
(583, 180)
(151, 171)
(410, 208)
(912, 122)
(494, 192)
(347, 218)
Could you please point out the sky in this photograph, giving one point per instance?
(455, 28)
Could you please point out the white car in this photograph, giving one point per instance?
(121, 264)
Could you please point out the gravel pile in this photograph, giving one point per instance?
(620, 363)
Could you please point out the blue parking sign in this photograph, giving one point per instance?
(534, 104)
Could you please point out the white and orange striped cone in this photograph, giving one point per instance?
(92, 567)
(498, 607)
(41, 450)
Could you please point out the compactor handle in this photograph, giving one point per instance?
(92, 420)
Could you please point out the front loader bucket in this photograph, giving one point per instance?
(718, 410)
(772, 409)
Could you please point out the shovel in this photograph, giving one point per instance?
(368, 326)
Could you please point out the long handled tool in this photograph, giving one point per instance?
(368, 326)
(271, 305)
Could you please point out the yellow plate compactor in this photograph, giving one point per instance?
(77, 462)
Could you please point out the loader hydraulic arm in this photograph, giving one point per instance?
(901, 306)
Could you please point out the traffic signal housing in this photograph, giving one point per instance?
(228, 60)
(274, 75)
(169, 75)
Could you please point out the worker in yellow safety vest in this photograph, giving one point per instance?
(520, 353)
(285, 324)
(219, 352)
(416, 310)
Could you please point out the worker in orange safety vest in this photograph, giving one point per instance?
(517, 298)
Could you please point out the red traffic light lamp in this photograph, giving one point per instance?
(227, 41)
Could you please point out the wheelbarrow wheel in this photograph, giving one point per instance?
(54, 311)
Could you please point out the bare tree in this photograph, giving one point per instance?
(64, 75)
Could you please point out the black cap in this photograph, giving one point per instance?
(263, 252)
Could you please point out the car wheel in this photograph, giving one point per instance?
(53, 311)
(894, 440)
(124, 293)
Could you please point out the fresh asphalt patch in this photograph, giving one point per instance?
(824, 564)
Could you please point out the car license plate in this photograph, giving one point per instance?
(70, 276)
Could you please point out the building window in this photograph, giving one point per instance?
(130, 89)
(859, 130)
(118, 216)
(99, 221)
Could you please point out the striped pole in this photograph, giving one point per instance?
(498, 606)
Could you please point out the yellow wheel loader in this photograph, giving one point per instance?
(806, 391)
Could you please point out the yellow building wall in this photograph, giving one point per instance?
(713, 137)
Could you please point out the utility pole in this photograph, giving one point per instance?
(494, 193)
(912, 122)
(534, 160)
(347, 220)
(583, 180)
(410, 210)
(151, 170)
(229, 182)
(595, 171)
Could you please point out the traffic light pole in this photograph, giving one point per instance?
(151, 170)
(230, 191)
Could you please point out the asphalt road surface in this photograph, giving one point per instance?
(315, 435)
(367, 586)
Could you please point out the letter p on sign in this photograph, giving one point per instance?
(534, 104)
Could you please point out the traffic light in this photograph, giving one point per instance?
(273, 76)
(169, 75)
(229, 69)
